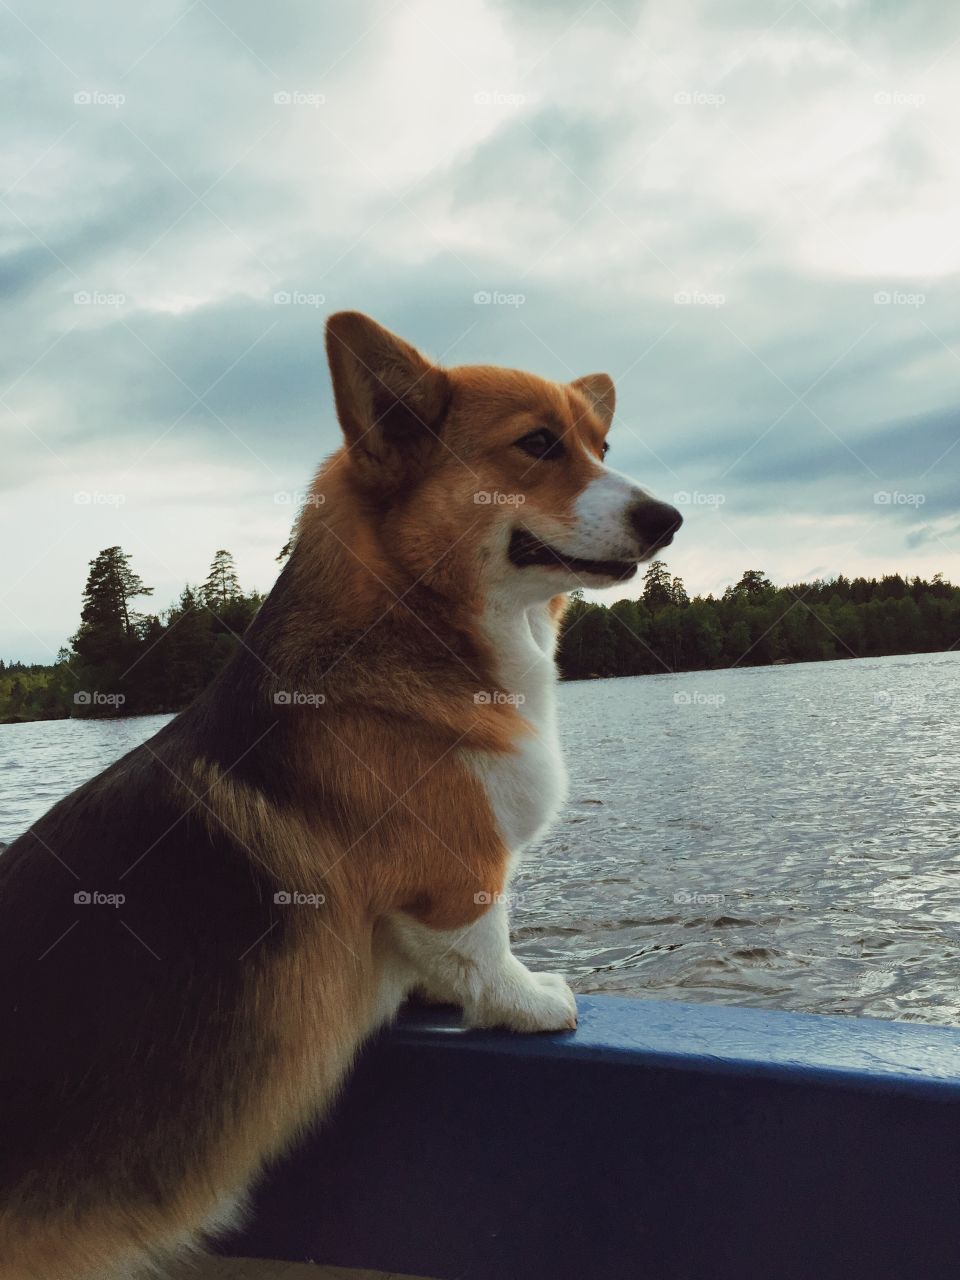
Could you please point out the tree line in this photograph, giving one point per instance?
(125, 662)
(755, 623)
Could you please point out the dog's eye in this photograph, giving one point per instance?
(541, 444)
(604, 449)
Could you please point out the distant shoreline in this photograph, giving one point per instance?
(746, 666)
(121, 664)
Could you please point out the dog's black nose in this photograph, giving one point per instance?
(655, 523)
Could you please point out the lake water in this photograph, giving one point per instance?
(778, 836)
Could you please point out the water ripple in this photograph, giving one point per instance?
(784, 837)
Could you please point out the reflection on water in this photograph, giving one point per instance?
(778, 836)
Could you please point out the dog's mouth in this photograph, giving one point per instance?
(526, 549)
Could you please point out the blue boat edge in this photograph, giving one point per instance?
(661, 1138)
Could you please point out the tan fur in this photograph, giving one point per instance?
(365, 798)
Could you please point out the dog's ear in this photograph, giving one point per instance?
(391, 401)
(600, 394)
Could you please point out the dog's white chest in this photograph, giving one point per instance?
(525, 790)
(528, 786)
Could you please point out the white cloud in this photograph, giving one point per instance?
(794, 162)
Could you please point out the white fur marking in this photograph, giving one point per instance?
(525, 789)
(603, 529)
(475, 968)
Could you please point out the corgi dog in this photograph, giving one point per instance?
(195, 943)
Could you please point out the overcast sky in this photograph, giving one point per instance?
(746, 212)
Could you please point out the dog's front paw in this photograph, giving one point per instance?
(526, 1001)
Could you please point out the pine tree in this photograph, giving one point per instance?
(657, 587)
(596, 641)
(107, 623)
(222, 584)
(754, 585)
(187, 648)
(17, 697)
(627, 618)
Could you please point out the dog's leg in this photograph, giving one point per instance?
(474, 967)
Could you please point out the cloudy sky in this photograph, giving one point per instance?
(746, 212)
